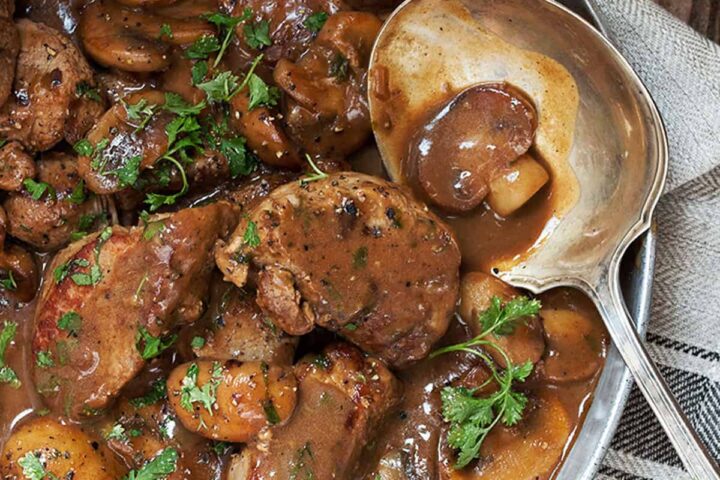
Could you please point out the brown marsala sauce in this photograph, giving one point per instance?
(410, 439)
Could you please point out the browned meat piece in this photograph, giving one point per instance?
(288, 34)
(464, 145)
(148, 427)
(47, 221)
(84, 114)
(326, 111)
(234, 327)
(124, 289)
(15, 166)
(525, 344)
(129, 39)
(19, 267)
(342, 398)
(9, 48)
(49, 69)
(354, 254)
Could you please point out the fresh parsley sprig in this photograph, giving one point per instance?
(471, 418)
(318, 175)
(7, 374)
(164, 464)
(205, 395)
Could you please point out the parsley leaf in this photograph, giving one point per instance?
(7, 374)
(240, 161)
(226, 26)
(174, 103)
(191, 393)
(117, 432)
(158, 468)
(315, 22)
(197, 342)
(71, 322)
(251, 237)
(38, 189)
(157, 392)
(33, 469)
(9, 283)
(63, 270)
(78, 193)
(339, 67)
(165, 31)
(261, 93)
(221, 88)
(471, 418)
(203, 47)
(257, 35)
(128, 174)
(141, 113)
(198, 72)
(318, 175)
(150, 346)
(84, 89)
(44, 359)
(84, 148)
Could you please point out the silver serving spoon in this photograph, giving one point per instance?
(619, 156)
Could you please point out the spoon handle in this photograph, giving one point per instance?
(690, 449)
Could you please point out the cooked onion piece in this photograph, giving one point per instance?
(516, 185)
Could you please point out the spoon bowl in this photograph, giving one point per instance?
(618, 156)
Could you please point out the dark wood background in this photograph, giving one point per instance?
(702, 15)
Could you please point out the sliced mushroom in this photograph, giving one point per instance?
(120, 37)
(326, 111)
(465, 142)
(525, 343)
(576, 346)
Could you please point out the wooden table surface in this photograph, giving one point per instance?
(702, 15)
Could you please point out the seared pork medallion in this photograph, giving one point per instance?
(112, 301)
(343, 396)
(199, 278)
(353, 254)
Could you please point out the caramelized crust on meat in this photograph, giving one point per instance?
(354, 254)
(342, 397)
(152, 281)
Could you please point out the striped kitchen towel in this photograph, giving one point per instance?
(681, 69)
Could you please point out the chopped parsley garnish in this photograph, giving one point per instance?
(86, 279)
(315, 22)
(260, 93)
(197, 342)
(7, 374)
(198, 72)
(85, 223)
(38, 189)
(174, 103)
(128, 174)
(157, 392)
(351, 327)
(62, 271)
(117, 432)
(71, 322)
(257, 35)
(271, 414)
(221, 88)
(339, 67)
(98, 159)
(33, 469)
(3, 141)
(191, 392)
(91, 277)
(84, 147)
(164, 464)
(84, 89)
(9, 283)
(203, 47)
(251, 237)
(318, 175)
(220, 448)
(165, 31)
(301, 466)
(141, 113)
(78, 193)
(226, 27)
(471, 418)
(150, 346)
(152, 229)
(240, 161)
(44, 359)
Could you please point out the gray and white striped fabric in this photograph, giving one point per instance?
(682, 71)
